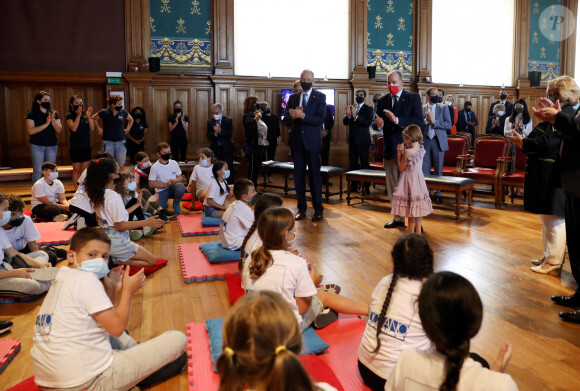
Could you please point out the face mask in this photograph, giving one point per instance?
(434, 99)
(393, 89)
(138, 115)
(305, 86)
(519, 110)
(76, 107)
(292, 235)
(468, 110)
(132, 186)
(53, 175)
(217, 117)
(553, 100)
(254, 199)
(146, 164)
(5, 217)
(17, 221)
(118, 108)
(46, 105)
(359, 99)
(375, 101)
(500, 113)
(440, 100)
(226, 174)
(97, 266)
(178, 110)
(448, 103)
(204, 163)
(166, 156)
(268, 111)
(258, 106)
(503, 96)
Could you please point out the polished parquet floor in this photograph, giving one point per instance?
(492, 248)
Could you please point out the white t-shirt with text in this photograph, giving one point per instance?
(20, 236)
(235, 224)
(202, 177)
(213, 192)
(42, 189)
(164, 172)
(113, 210)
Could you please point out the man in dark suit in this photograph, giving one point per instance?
(437, 123)
(305, 113)
(509, 106)
(395, 111)
(219, 132)
(358, 118)
(467, 121)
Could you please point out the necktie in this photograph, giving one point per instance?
(357, 109)
(467, 115)
(431, 132)
(396, 101)
(304, 101)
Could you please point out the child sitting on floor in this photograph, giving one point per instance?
(79, 337)
(393, 324)
(451, 312)
(261, 344)
(252, 240)
(165, 177)
(201, 176)
(113, 217)
(48, 200)
(142, 170)
(273, 267)
(238, 218)
(215, 203)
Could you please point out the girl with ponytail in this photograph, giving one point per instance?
(216, 203)
(274, 267)
(201, 175)
(262, 342)
(394, 324)
(451, 313)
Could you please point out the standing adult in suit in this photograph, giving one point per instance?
(467, 121)
(395, 111)
(326, 132)
(219, 132)
(453, 112)
(271, 120)
(437, 124)
(503, 95)
(358, 118)
(305, 114)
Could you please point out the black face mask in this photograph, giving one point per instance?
(166, 156)
(178, 110)
(76, 107)
(258, 106)
(434, 99)
(305, 86)
(359, 99)
(16, 222)
(118, 108)
(46, 105)
(138, 115)
(440, 99)
(503, 96)
(375, 101)
(468, 110)
(268, 111)
(519, 110)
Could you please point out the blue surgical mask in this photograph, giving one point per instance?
(204, 163)
(132, 186)
(226, 174)
(5, 217)
(53, 175)
(97, 266)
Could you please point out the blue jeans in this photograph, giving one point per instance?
(41, 154)
(176, 192)
(117, 149)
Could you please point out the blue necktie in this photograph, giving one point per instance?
(304, 101)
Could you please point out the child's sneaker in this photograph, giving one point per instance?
(326, 317)
(135, 234)
(167, 215)
(148, 231)
(5, 325)
(81, 223)
(330, 288)
(71, 222)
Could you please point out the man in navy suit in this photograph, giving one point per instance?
(467, 121)
(509, 106)
(437, 123)
(219, 132)
(305, 114)
(395, 111)
(359, 118)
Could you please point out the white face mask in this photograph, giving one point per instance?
(448, 103)
(500, 113)
(53, 175)
(146, 164)
(217, 117)
(5, 217)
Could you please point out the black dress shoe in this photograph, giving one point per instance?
(394, 224)
(573, 316)
(438, 199)
(317, 216)
(299, 216)
(567, 301)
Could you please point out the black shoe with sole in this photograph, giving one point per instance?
(573, 316)
(300, 216)
(567, 301)
(394, 224)
(5, 325)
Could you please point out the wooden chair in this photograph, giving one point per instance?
(377, 163)
(512, 179)
(458, 145)
(469, 138)
(488, 158)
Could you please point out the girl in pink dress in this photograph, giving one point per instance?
(411, 197)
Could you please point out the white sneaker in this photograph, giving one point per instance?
(148, 231)
(71, 222)
(81, 223)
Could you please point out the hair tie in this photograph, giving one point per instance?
(97, 161)
(229, 351)
(279, 349)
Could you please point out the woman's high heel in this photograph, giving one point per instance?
(539, 269)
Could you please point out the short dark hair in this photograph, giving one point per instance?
(15, 203)
(103, 155)
(162, 145)
(468, 103)
(139, 156)
(431, 89)
(113, 99)
(85, 235)
(363, 91)
(48, 166)
(242, 187)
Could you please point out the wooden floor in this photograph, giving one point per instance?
(492, 248)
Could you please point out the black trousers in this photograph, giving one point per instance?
(303, 158)
(138, 212)
(48, 212)
(358, 153)
(370, 379)
(179, 148)
(572, 217)
(90, 218)
(255, 165)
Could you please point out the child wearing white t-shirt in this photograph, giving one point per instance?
(113, 217)
(79, 337)
(450, 365)
(238, 217)
(48, 200)
(165, 178)
(274, 267)
(201, 176)
(393, 324)
(215, 203)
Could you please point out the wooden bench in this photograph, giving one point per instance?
(23, 174)
(457, 185)
(287, 169)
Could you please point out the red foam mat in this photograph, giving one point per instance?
(25, 385)
(52, 234)
(149, 269)
(197, 206)
(196, 267)
(235, 291)
(190, 225)
(8, 349)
